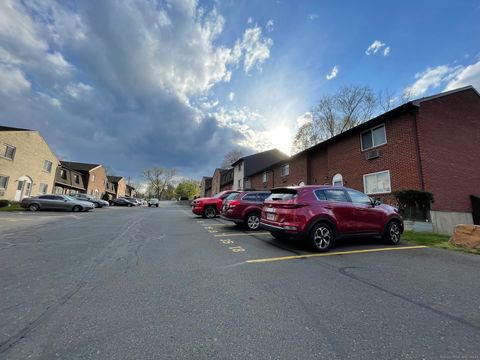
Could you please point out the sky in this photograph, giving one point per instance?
(178, 83)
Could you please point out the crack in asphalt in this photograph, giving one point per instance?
(345, 271)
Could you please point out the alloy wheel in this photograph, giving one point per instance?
(322, 237)
(394, 233)
(253, 222)
(210, 212)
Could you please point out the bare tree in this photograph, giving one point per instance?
(334, 114)
(386, 100)
(159, 179)
(230, 157)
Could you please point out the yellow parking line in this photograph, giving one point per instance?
(240, 234)
(333, 253)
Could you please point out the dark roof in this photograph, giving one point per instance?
(79, 166)
(226, 177)
(435, 96)
(8, 128)
(257, 162)
(114, 179)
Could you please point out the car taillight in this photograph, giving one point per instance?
(292, 206)
(233, 203)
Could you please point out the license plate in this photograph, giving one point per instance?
(270, 210)
(271, 217)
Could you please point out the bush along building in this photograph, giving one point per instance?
(431, 145)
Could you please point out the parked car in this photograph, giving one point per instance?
(323, 214)
(123, 202)
(56, 202)
(244, 208)
(99, 203)
(209, 207)
(153, 202)
(134, 201)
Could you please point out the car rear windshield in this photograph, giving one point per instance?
(232, 196)
(287, 194)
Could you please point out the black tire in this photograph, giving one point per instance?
(129, 205)
(77, 208)
(96, 205)
(209, 212)
(252, 221)
(279, 235)
(392, 233)
(321, 237)
(156, 205)
(34, 207)
(149, 205)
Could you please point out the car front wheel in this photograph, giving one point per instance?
(77, 208)
(392, 233)
(34, 207)
(321, 237)
(209, 212)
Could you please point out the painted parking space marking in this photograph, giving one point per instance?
(295, 257)
(242, 234)
(231, 245)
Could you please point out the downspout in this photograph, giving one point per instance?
(417, 146)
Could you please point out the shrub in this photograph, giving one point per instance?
(414, 204)
(4, 203)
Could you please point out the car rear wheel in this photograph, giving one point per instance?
(156, 205)
(252, 221)
(321, 237)
(392, 233)
(129, 205)
(77, 208)
(209, 212)
(96, 205)
(34, 207)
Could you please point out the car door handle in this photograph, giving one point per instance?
(328, 207)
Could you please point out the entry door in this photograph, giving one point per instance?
(19, 192)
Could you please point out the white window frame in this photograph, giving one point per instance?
(371, 133)
(6, 182)
(45, 192)
(376, 173)
(265, 177)
(4, 155)
(45, 167)
(285, 170)
(335, 179)
(93, 178)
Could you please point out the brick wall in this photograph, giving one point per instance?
(121, 187)
(216, 181)
(449, 138)
(99, 183)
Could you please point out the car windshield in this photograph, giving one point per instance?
(218, 195)
(68, 197)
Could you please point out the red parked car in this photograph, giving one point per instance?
(211, 206)
(244, 208)
(322, 214)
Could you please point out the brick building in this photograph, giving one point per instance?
(27, 164)
(430, 144)
(68, 181)
(94, 177)
(226, 180)
(205, 183)
(118, 184)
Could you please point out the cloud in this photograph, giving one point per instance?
(312, 16)
(333, 73)
(231, 96)
(122, 83)
(376, 46)
(304, 119)
(270, 25)
(469, 75)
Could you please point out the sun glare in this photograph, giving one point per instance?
(281, 138)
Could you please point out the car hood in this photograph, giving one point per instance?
(205, 199)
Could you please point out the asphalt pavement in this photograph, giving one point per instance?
(148, 283)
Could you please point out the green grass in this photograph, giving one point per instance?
(433, 240)
(12, 207)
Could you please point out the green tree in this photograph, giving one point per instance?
(187, 189)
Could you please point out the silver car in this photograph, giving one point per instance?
(99, 203)
(56, 202)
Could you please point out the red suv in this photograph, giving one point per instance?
(244, 208)
(325, 213)
(210, 207)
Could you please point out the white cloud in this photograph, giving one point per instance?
(386, 52)
(12, 81)
(304, 119)
(270, 25)
(78, 89)
(375, 47)
(231, 96)
(256, 48)
(333, 73)
(430, 78)
(312, 16)
(469, 75)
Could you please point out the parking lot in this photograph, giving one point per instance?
(148, 283)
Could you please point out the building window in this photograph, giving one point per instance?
(374, 137)
(3, 182)
(47, 166)
(239, 166)
(337, 180)
(239, 185)
(285, 169)
(76, 179)
(63, 174)
(265, 177)
(377, 183)
(93, 178)
(7, 151)
(43, 188)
